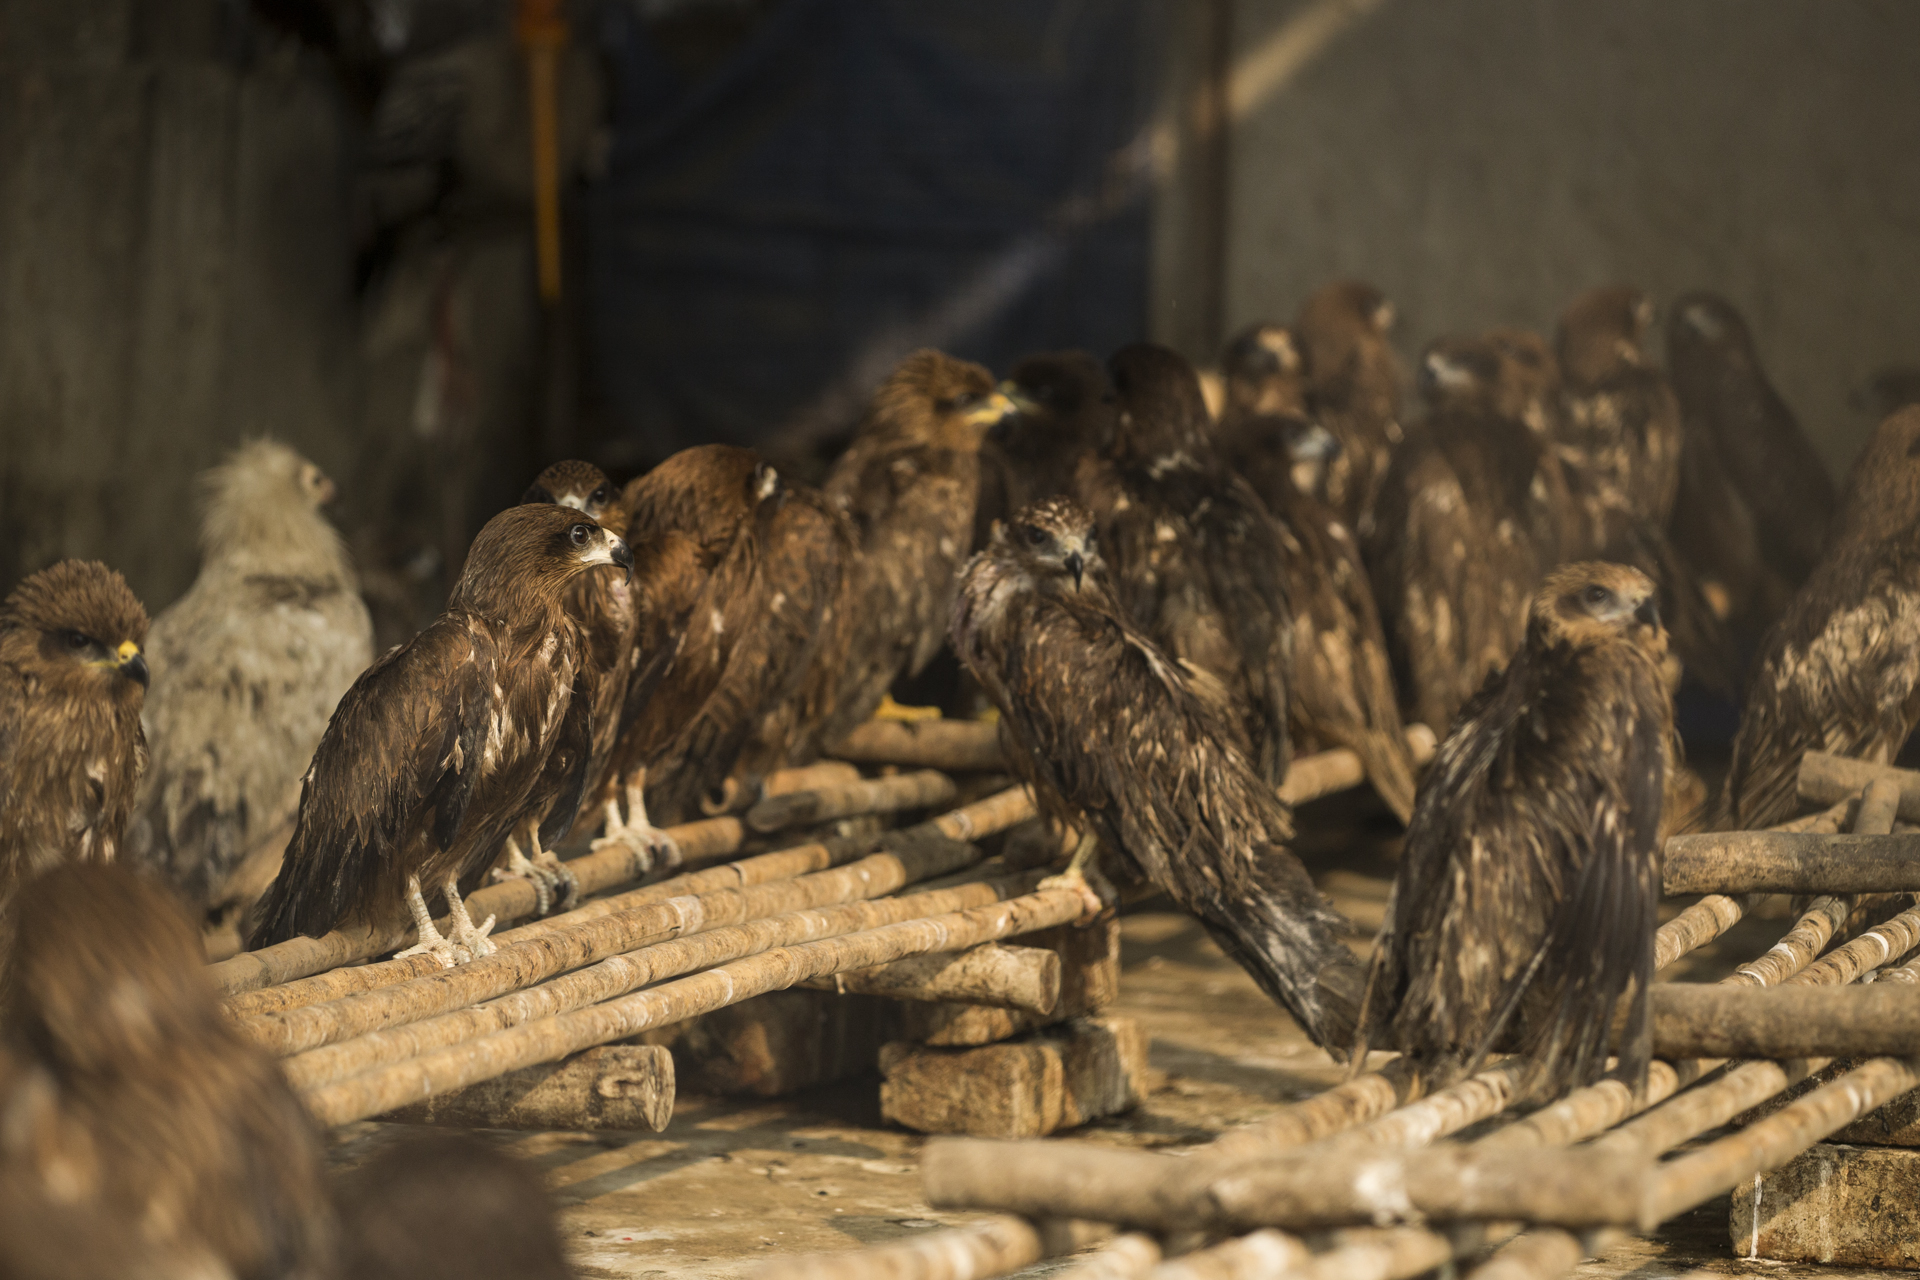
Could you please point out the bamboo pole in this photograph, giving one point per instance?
(627, 1086)
(1325, 772)
(1790, 862)
(954, 746)
(1025, 978)
(1340, 1185)
(1825, 778)
(1249, 1257)
(735, 798)
(1879, 945)
(1698, 925)
(1331, 1111)
(531, 960)
(1795, 1021)
(382, 1090)
(977, 1251)
(618, 975)
(921, 790)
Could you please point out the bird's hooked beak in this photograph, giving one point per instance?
(613, 551)
(1445, 373)
(1648, 612)
(1018, 397)
(130, 662)
(1077, 566)
(991, 411)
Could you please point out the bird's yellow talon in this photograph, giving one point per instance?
(891, 710)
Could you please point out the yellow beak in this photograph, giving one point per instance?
(989, 411)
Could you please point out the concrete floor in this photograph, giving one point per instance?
(731, 1182)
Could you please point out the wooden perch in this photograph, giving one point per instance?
(1340, 1185)
(382, 1090)
(733, 797)
(1778, 862)
(1325, 772)
(1720, 1021)
(1026, 978)
(977, 1251)
(1825, 779)
(627, 1086)
(618, 975)
(1248, 1257)
(922, 790)
(530, 960)
(953, 746)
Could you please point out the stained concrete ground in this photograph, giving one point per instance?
(732, 1182)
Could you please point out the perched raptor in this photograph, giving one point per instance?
(72, 679)
(1265, 373)
(247, 667)
(1353, 389)
(1523, 910)
(1758, 497)
(1114, 737)
(1619, 421)
(1065, 411)
(1467, 522)
(909, 482)
(1197, 562)
(130, 1094)
(443, 747)
(1840, 670)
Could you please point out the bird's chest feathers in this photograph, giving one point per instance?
(530, 694)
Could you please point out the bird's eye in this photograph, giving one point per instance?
(76, 639)
(598, 496)
(1034, 536)
(1597, 596)
(581, 534)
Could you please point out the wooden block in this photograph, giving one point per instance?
(777, 1043)
(1026, 978)
(1089, 982)
(615, 1087)
(1835, 1204)
(1055, 1079)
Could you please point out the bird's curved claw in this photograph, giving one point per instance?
(546, 873)
(650, 846)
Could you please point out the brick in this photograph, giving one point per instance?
(1050, 1080)
(1836, 1204)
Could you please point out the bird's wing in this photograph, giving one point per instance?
(398, 764)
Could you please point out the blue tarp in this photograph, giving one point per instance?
(861, 178)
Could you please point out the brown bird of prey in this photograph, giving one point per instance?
(72, 679)
(442, 748)
(247, 667)
(603, 605)
(1759, 497)
(1353, 389)
(734, 577)
(1619, 421)
(1065, 411)
(1466, 524)
(129, 1093)
(1840, 671)
(1114, 738)
(1523, 910)
(1265, 374)
(1197, 562)
(909, 482)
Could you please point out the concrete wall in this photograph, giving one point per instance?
(1484, 160)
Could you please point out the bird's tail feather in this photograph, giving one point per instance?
(1293, 948)
(1389, 767)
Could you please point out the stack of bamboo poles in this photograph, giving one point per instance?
(361, 1039)
(1349, 1184)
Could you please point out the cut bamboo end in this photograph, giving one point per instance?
(614, 1087)
(1828, 779)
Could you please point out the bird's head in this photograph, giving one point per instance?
(573, 483)
(1528, 377)
(1337, 320)
(1600, 332)
(1055, 543)
(934, 399)
(1701, 323)
(263, 506)
(1059, 400)
(533, 550)
(1883, 486)
(1459, 371)
(1264, 371)
(1593, 602)
(79, 629)
(707, 493)
(1162, 413)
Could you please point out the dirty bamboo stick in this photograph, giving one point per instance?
(1250, 1257)
(734, 798)
(922, 790)
(618, 975)
(534, 959)
(1790, 862)
(1824, 779)
(1025, 978)
(1880, 945)
(624, 1086)
(374, 1092)
(955, 746)
(1794, 1021)
(1325, 772)
(977, 1251)
(1339, 1186)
